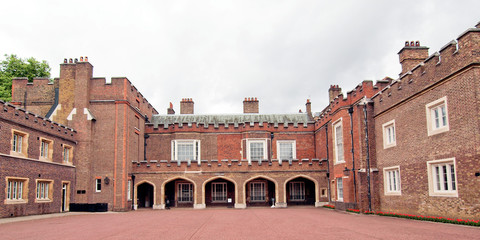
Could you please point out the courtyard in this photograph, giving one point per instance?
(219, 223)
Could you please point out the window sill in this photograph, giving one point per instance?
(390, 145)
(43, 200)
(432, 132)
(393, 194)
(443, 194)
(17, 154)
(20, 201)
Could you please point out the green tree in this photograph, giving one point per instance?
(14, 66)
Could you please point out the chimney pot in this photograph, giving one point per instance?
(412, 43)
(76, 60)
(65, 60)
(81, 59)
(417, 43)
(407, 43)
(70, 60)
(86, 59)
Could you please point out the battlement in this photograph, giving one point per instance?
(452, 58)
(364, 89)
(22, 117)
(226, 165)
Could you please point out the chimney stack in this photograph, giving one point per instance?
(333, 92)
(250, 105)
(186, 106)
(308, 107)
(170, 110)
(411, 55)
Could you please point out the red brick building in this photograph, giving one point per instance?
(36, 163)
(407, 145)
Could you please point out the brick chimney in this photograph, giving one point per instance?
(186, 106)
(170, 109)
(333, 92)
(411, 55)
(250, 105)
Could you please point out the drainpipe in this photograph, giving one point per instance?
(328, 164)
(145, 136)
(369, 194)
(133, 192)
(350, 111)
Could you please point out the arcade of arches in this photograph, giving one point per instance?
(236, 190)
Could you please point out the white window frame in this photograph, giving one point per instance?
(263, 141)
(389, 134)
(258, 194)
(19, 143)
(392, 181)
(336, 149)
(293, 144)
(16, 190)
(98, 185)
(67, 154)
(196, 148)
(433, 179)
(223, 195)
(301, 191)
(188, 197)
(46, 149)
(44, 190)
(431, 123)
(339, 189)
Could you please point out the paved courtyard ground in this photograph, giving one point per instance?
(252, 223)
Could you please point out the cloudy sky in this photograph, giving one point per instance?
(219, 52)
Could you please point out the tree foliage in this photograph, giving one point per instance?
(14, 66)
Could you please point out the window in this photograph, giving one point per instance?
(437, 116)
(256, 149)
(19, 143)
(338, 141)
(16, 190)
(44, 190)
(67, 154)
(185, 192)
(183, 150)
(257, 191)
(391, 178)
(442, 178)
(46, 149)
(340, 189)
(297, 191)
(389, 139)
(129, 190)
(286, 150)
(219, 192)
(98, 185)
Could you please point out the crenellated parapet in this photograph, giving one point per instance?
(225, 165)
(452, 59)
(30, 120)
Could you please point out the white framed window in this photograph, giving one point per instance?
(257, 192)
(67, 154)
(183, 150)
(256, 149)
(98, 185)
(129, 190)
(19, 143)
(185, 192)
(44, 190)
(338, 141)
(219, 192)
(391, 176)
(442, 178)
(297, 191)
(286, 149)
(46, 149)
(340, 189)
(17, 190)
(437, 116)
(389, 134)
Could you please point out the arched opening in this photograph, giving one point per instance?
(300, 191)
(145, 195)
(220, 192)
(260, 192)
(179, 193)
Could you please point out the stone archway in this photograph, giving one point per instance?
(145, 195)
(260, 191)
(301, 190)
(179, 192)
(219, 191)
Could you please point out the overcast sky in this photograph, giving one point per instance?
(219, 52)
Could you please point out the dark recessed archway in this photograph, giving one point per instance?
(145, 195)
(300, 191)
(179, 193)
